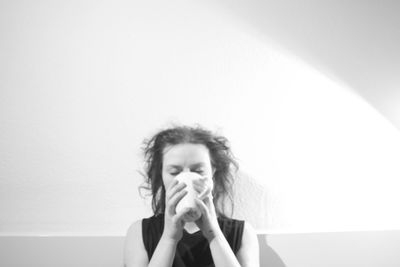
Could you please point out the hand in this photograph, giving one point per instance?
(203, 186)
(173, 222)
(208, 222)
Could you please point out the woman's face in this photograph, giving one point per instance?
(184, 158)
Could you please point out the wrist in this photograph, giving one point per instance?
(212, 234)
(169, 240)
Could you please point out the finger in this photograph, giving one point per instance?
(199, 187)
(205, 193)
(202, 180)
(202, 207)
(179, 216)
(208, 200)
(173, 183)
(205, 177)
(206, 181)
(176, 188)
(197, 182)
(209, 203)
(173, 201)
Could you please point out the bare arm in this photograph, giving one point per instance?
(164, 254)
(134, 252)
(222, 253)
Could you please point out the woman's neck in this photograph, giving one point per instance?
(191, 227)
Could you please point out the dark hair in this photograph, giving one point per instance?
(222, 161)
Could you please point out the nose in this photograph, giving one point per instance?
(186, 169)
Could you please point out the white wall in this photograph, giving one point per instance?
(355, 41)
(83, 82)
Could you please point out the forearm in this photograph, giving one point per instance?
(222, 253)
(164, 254)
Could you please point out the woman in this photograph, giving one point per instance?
(165, 239)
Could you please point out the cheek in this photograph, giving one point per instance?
(167, 179)
(210, 171)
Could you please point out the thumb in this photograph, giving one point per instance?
(205, 193)
(202, 207)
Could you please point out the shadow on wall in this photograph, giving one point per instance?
(268, 257)
(355, 41)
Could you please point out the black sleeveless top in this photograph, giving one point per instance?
(192, 250)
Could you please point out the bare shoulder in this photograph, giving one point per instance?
(248, 254)
(134, 229)
(249, 229)
(133, 234)
(249, 235)
(134, 251)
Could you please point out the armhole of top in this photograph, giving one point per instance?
(239, 228)
(145, 237)
(152, 229)
(233, 232)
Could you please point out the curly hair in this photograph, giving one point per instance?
(222, 161)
